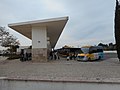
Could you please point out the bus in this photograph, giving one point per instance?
(90, 53)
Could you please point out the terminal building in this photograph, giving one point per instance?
(43, 33)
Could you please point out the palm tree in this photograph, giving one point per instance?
(117, 28)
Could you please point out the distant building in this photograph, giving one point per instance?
(21, 47)
(64, 51)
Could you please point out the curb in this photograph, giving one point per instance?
(91, 80)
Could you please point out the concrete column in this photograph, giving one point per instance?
(39, 44)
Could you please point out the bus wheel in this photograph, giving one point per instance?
(99, 58)
(89, 59)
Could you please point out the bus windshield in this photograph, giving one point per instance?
(85, 50)
(92, 49)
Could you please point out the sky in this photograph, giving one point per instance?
(90, 21)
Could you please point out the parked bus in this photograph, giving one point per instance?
(90, 53)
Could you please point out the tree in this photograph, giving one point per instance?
(101, 44)
(105, 46)
(3, 34)
(8, 40)
(117, 28)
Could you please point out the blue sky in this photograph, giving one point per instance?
(90, 22)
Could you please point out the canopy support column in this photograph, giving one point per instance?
(39, 44)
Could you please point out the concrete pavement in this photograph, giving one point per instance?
(62, 70)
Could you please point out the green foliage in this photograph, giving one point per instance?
(109, 46)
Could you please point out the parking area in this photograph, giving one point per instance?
(62, 70)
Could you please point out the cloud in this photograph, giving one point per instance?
(90, 41)
(90, 21)
(54, 6)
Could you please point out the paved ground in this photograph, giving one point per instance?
(62, 70)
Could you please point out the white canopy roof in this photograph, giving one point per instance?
(54, 26)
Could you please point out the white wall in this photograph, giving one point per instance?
(39, 37)
(37, 85)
